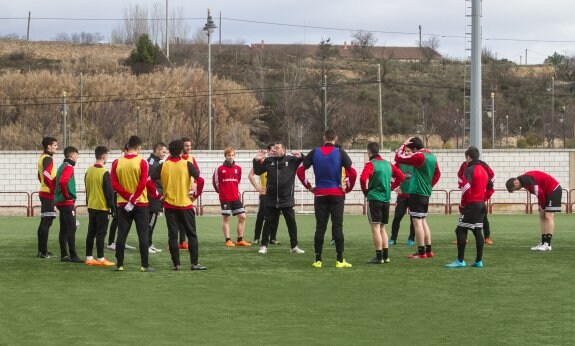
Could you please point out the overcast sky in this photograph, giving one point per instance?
(509, 26)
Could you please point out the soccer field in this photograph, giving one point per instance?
(520, 297)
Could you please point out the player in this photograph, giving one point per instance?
(402, 203)
(46, 177)
(154, 161)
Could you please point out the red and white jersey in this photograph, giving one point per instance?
(538, 183)
(226, 181)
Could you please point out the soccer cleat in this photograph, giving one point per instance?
(198, 267)
(478, 264)
(147, 269)
(76, 259)
(92, 262)
(375, 260)
(150, 250)
(242, 243)
(316, 264)
(119, 269)
(129, 247)
(256, 242)
(105, 263)
(263, 249)
(183, 246)
(542, 247)
(65, 259)
(488, 241)
(410, 242)
(429, 254)
(112, 246)
(155, 248)
(274, 242)
(229, 243)
(342, 264)
(42, 255)
(176, 267)
(456, 264)
(417, 256)
(391, 242)
(297, 250)
(387, 260)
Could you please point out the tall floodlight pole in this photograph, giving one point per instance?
(209, 29)
(64, 119)
(380, 106)
(475, 104)
(167, 34)
(81, 111)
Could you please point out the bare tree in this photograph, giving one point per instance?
(429, 48)
(362, 43)
(110, 118)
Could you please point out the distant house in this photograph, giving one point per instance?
(406, 54)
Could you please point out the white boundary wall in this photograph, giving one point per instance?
(18, 173)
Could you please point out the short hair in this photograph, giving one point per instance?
(510, 184)
(415, 144)
(270, 146)
(186, 139)
(134, 142)
(46, 141)
(280, 143)
(159, 145)
(176, 147)
(373, 148)
(472, 152)
(100, 152)
(228, 151)
(68, 151)
(330, 135)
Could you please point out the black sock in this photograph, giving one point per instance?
(379, 254)
(226, 239)
(318, 257)
(548, 239)
(428, 248)
(340, 256)
(240, 238)
(543, 236)
(385, 254)
(421, 250)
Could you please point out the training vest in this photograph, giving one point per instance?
(379, 186)
(128, 173)
(420, 183)
(327, 169)
(59, 196)
(408, 171)
(264, 179)
(43, 187)
(176, 181)
(94, 181)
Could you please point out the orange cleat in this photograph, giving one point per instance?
(488, 241)
(230, 243)
(243, 243)
(183, 246)
(92, 262)
(106, 263)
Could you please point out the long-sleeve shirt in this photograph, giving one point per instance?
(540, 184)
(130, 180)
(175, 175)
(226, 181)
(426, 173)
(490, 175)
(382, 177)
(474, 183)
(46, 176)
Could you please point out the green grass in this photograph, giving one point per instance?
(520, 297)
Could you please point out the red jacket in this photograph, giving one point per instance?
(540, 184)
(226, 181)
(474, 183)
(490, 175)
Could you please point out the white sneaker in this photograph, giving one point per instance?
(112, 246)
(542, 247)
(155, 249)
(297, 250)
(129, 247)
(150, 250)
(263, 250)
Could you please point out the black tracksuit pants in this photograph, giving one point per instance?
(400, 211)
(139, 215)
(47, 216)
(272, 218)
(67, 236)
(326, 206)
(178, 220)
(97, 229)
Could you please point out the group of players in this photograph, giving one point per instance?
(136, 191)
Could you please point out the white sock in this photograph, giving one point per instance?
(89, 258)
(102, 259)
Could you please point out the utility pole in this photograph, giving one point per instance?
(137, 121)
(81, 111)
(553, 106)
(167, 34)
(525, 56)
(28, 29)
(324, 87)
(475, 107)
(420, 41)
(380, 106)
(64, 120)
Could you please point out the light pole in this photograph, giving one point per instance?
(324, 88)
(137, 121)
(64, 119)
(507, 130)
(519, 132)
(562, 121)
(209, 29)
(491, 114)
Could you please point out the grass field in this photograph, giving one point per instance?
(520, 297)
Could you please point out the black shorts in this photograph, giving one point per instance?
(378, 212)
(232, 208)
(47, 209)
(553, 200)
(418, 206)
(472, 215)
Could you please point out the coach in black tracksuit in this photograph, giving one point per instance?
(281, 171)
